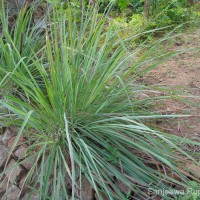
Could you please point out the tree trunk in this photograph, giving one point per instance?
(92, 2)
(81, 4)
(191, 2)
(153, 7)
(146, 8)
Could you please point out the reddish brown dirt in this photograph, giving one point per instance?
(183, 73)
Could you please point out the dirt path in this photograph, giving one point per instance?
(183, 73)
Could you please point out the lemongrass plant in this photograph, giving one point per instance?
(20, 40)
(87, 117)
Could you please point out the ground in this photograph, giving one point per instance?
(181, 73)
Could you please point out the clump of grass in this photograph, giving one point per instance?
(88, 118)
(21, 40)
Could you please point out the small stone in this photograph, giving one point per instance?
(6, 136)
(20, 141)
(27, 163)
(4, 184)
(32, 196)
(22, 182)
(13, 171)
(20, 152)
(4, 152)
(12, 193)
(14, 130)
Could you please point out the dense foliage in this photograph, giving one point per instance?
(160, 13)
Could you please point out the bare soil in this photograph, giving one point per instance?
(181, 73)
